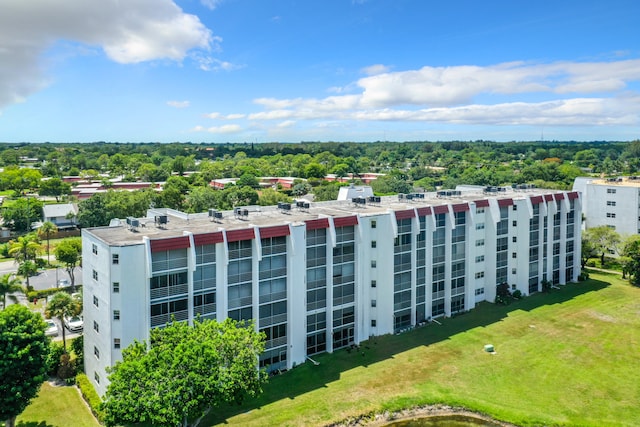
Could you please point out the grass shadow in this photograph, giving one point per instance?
(33, 424)
(307, 377)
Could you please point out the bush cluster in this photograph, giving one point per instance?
(90, 395)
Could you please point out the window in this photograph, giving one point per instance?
(480, 226)
(374, 244)
(95, 301)
(514, 255)
(95, 275)
(479, 210)
(373, 323)
(374, 303)
(115, 259)
(96, 377)
(116, 287)
(611, 203)
(513, 271)
(96, 327)
(611, 215)
(514, 223)
(480, 242)
(611, 191)
(373, 223)
(94, 249)
(479, 274)
(374, 284)
(480, 258)
(514, 239)
(116, 343)
(96, 352)
(515, 207)
(116, 314)
(373, 263)
(480, 291)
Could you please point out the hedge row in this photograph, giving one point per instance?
(90, 396)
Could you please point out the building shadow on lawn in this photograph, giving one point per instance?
(33, 424)
(307, 377)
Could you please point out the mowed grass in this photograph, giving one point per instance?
(569, 357)
(57, 407)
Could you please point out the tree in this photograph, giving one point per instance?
(24, 249)
(68, 252)
(587, 251)
(46, 230)
(23, 360)
(184, 372)
(61, 305)
(631, 263)
(603, 239)
(22, 213)
(8, 286)
(54, 187)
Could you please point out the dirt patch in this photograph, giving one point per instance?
(380, 420)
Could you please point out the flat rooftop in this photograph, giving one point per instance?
(120, 233)
(626, 181)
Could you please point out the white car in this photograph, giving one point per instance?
(64, 283)
(52, 328)
(74, 324)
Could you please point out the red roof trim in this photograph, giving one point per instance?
(277, 231)
(207, 238)
(424, 211)
(573, 195)
(559, 196)
(461, 207)
(345, 221)
(484, 203)
(242, 234)
(407, 214)
(158, 245)
(505, 202)
(314, 224)
(442, 209)
(536, 200)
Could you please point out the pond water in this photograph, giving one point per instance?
(443, 421)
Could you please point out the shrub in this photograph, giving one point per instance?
(77, 346)
(53, 360)
(4, 250)
(591, 263)
(90, 396)
(517, 294)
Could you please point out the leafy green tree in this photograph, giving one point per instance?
(19, 179)
(69, 252)
(62, 305)
(8, 286)
(54, 187)
(23, 360)
(603, 240)
(270, 197)
(248, 180)
(46, 230)
(631, 263)
(24, 249)
(201, 199)
(588, 251)
(22, 213)
(184, 372)
(315, 170)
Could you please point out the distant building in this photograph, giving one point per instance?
(62, 215)
(613, 202)
(317, 277)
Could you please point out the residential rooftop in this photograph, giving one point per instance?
(121, 232)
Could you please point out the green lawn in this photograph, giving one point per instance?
(565, 358)
(57, 407)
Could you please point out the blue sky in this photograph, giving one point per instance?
(332, 70)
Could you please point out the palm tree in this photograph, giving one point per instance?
(61, 305)
(46, 230)
(9, 285)
(24, 249)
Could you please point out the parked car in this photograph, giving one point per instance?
(74, 324)
(52, 328)
(64, 283)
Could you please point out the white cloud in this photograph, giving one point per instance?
(372, 70)
(128, 32)
(286, 124)
(178, 104)
(601, 95)
(225, 129)
(211, 4)
(219, 116)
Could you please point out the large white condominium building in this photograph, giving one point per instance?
(614, 202)
(316, 277)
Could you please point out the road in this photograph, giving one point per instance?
(45, 279)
